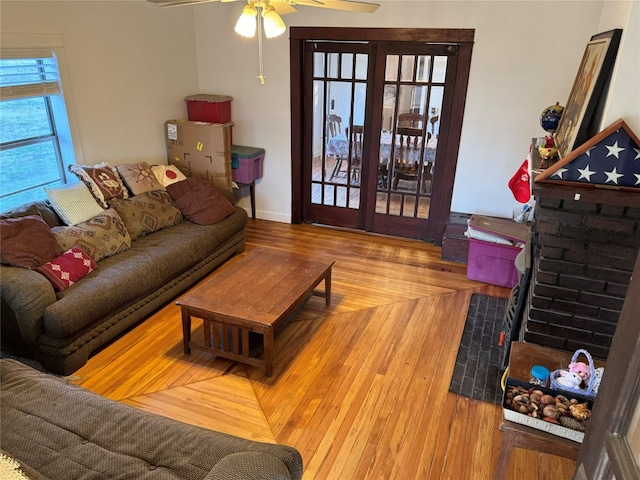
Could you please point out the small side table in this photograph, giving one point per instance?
(514, 435)
(252, 195)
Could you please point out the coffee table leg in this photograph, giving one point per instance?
(327, 288)
(186, 330)
(268, 351)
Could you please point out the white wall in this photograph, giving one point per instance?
(130, 64)
(525, 57)
(624, 100)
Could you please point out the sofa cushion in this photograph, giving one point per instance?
(139, 177)
(103, 181)
(147, 213)
(27, 242)
(150, 263)
(100, 237)
(199, 201)
(73, 203)
(66, 269)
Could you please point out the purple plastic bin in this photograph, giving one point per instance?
(492, 263)
(250, 163)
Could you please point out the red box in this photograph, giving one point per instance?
(209, 108)
(492, 263)
(249, 161)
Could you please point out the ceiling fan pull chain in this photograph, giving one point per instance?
(261, 76)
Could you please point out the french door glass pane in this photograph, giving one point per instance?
(439, 69)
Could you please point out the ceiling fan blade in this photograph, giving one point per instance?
(283, 8)
(178, 3)
(345, 5)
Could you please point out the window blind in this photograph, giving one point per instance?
(28, 72)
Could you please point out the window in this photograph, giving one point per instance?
(33, 121)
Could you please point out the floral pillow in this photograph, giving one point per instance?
(103, 181)
(66, 269)
(139, 177)
(100, 237)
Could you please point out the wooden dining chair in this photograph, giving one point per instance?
(409, 164)
(410, 120)
(356, 139)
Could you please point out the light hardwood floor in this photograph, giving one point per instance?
(360, 388)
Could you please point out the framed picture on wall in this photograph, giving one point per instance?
(590, 84)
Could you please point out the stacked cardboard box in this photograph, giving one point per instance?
(201, 148)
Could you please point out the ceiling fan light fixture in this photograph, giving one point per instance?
(273, 23)
(246, 24)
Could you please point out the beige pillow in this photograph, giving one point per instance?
(73, 203)
(168, 174)
(139, 177)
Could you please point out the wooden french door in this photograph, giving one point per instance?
(376, 117)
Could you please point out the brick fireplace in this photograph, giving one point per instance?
(584, 245)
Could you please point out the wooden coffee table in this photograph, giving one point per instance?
(253, 294)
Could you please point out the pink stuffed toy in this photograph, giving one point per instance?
(581, 368)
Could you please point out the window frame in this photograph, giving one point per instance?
(59, 106)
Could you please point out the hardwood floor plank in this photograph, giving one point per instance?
(359, 387)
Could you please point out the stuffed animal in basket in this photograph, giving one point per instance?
(583, 371)
(569, 379)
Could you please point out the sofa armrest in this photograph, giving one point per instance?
(27, 293)
(254, 465)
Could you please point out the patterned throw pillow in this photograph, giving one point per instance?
(66, 269)
(139, 177)
(168, 174)
(100, 237)
(147, 213)
(73, 203)
(27, 242)
(102, 180)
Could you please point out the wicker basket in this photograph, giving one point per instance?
(585, 392)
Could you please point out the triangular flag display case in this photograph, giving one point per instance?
(610, 159)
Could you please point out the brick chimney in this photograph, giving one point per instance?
(584, 246)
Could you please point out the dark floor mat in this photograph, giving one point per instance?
(477, 371)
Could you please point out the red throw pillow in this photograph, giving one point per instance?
(66, 269)
(199, 201)
(27, 242)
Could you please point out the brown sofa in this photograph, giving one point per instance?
(61, 329)
(57, 430)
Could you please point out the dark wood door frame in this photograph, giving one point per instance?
(301, 146)
(605, 450)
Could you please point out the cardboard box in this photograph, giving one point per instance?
(492, 263)
(209, 108)
(537, 423)
(249, 161)
(200, 148)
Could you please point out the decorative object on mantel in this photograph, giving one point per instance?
(583, 109)
(549, 121)
(611, 159)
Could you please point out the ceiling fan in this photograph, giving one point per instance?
(269, 18)
(283, 7)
